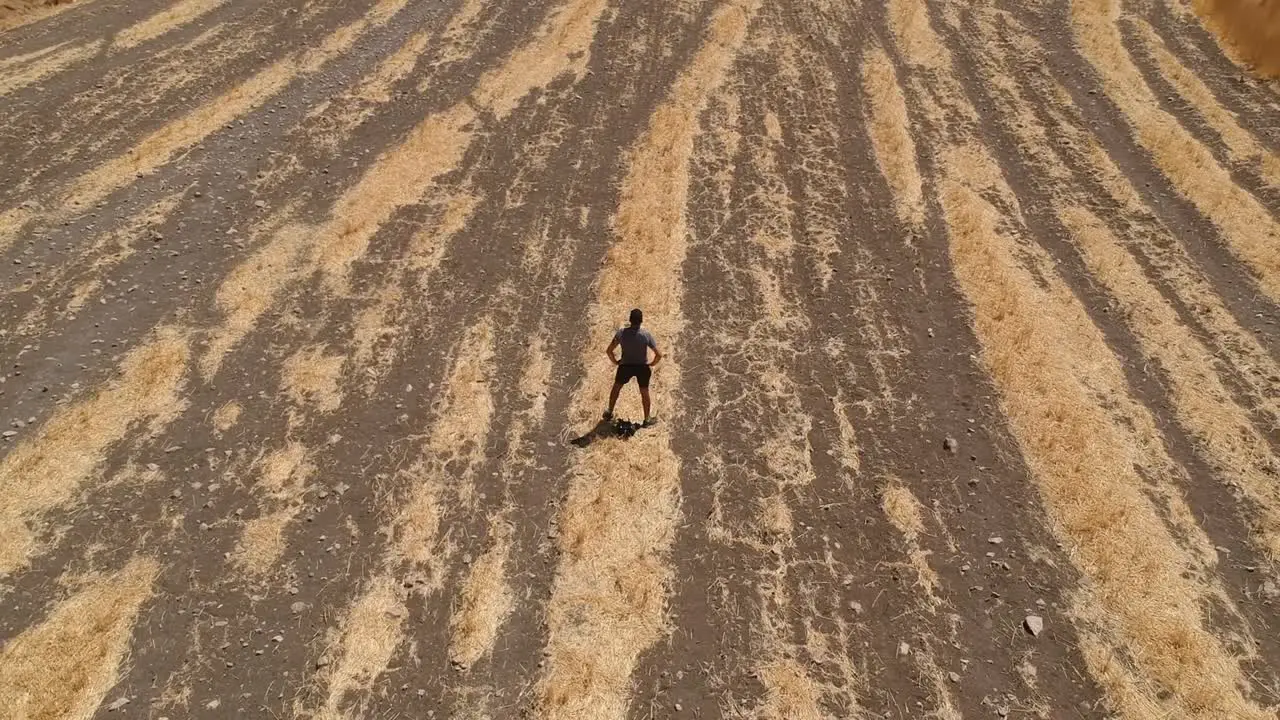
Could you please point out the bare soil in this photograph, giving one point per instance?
(971, 321)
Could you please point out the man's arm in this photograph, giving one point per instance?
(609, 351)
(657, 356)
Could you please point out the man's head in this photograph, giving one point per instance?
(637, 317)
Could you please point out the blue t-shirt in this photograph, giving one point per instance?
(635, 343)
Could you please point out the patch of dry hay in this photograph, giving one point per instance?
(171, 18)
(909, 21)
(282, 477)
(460, 38)
(370, 635)
(249, 289)
(890, 132)
(226, 416)
(486, 602)
(20, 12)
(62, 668)
(48, 470)
(906, 514)
(789, 693)
(1246, 226)
(1140, 608)
(310, 377)
(1250, 28)
(1242, 145)
(45, 66)
(16, 60)
(619, 519)
(1201, 402)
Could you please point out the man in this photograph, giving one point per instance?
(634, 363)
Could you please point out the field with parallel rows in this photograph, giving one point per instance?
(970, 405)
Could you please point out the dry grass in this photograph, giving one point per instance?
(1237, 451)
(891, 136)
(48, 470)
(906, 514)
(168, 141)
(225, 417)
(1232, 343)
(1246, 226)
(404, 175)
(789, 693)
(486, 602)
(416, 555)
(909, 21)
(370, 635)
(1250, 28)
(249, 289)
(172, 17)
(1240, 143)
(944, 704)
(11, 62)
(620, 515)
(20, 12)
(41, 68)
(62, 668)
(281, 480)
(1141, 605)
(461, 37)
(310, 377)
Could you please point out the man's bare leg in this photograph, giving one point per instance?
(644, 399)
(613, 400)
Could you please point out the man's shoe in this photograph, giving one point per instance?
(608, 414)
(650, 422)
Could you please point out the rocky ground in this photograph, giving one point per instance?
(969, 407)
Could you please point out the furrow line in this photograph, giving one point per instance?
(41, 68)
(1071, 412)
(402, 176)
(888, 375)
(1224, 430)
(175, 16)
(619, 519)
(1238, 452)
(1078, 159)
(1245, 226)
(165, 143)
(1243, 148)
(419, 541)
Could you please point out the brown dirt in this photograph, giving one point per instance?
(302, 319)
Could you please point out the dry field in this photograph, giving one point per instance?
(971, 406)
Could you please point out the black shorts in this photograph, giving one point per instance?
(641, 373)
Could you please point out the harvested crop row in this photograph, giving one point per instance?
(65, 666)
(1061, 398)
(165, 143)
(442, 477)
(1247, 229)
(619, 519)
(49, 470)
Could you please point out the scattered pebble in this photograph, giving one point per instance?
(1034, 625)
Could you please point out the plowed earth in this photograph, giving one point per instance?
(971, 404)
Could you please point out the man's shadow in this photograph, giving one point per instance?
(606, 429)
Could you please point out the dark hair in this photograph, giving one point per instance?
(637, 317)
